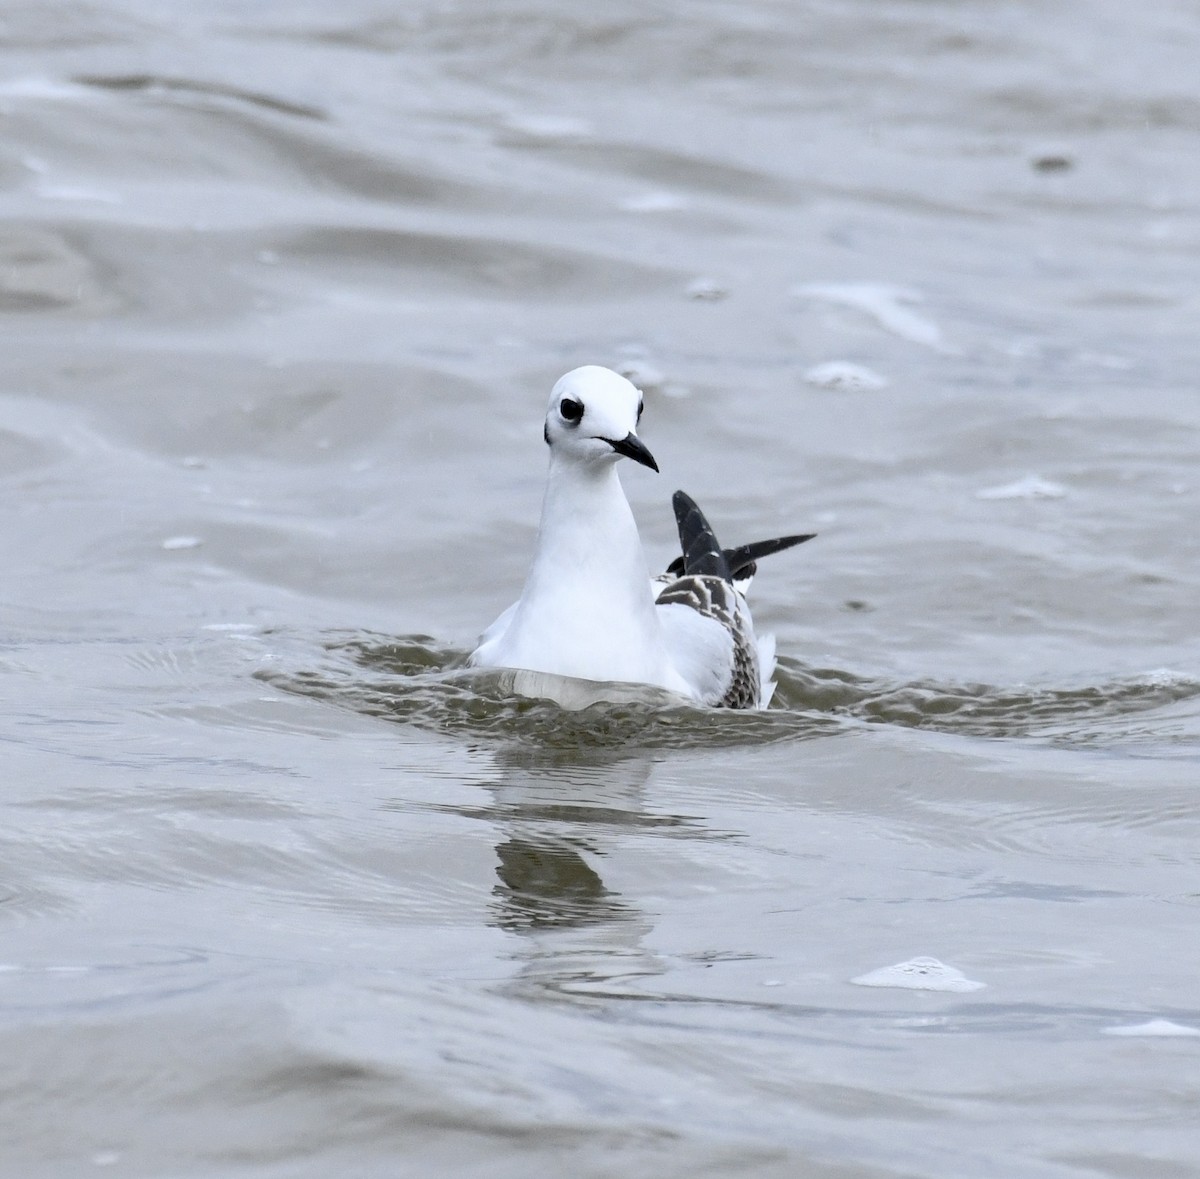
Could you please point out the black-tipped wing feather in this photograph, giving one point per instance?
(700, 546)
(702, 553)
(710, 581)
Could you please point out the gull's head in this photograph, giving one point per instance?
(592, 419)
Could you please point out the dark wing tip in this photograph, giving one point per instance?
(682, 503)
(742, 560)
(702, 553)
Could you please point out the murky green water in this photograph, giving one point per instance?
(285, 890)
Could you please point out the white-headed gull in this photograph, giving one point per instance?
(590, 609)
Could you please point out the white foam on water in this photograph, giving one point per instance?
(919, 974)
(887, 305)
(1031, 487)
(643, 374)
(707, 290)
(653, 202)
(80, 193)
(648, 377)
(549, 126)
(35, 87)
(843, 374)
(1167, 677)
(172, 543)
(1152, 1027)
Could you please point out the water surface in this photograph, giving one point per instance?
(287, 891)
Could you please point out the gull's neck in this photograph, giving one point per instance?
(587, 529)
(587, 608)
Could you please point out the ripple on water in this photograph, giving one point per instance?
(416, 680)
(44, 270)
(1082, 715)
(175, 840)
(162, 84)
(449, 264)
(266, 133)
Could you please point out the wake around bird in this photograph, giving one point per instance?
(590, 609)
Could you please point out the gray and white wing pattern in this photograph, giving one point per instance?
(705, 617)
(716, 599)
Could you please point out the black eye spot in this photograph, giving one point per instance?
(572, 411)
(641, 406)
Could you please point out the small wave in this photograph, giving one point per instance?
(162, 84)
(1072, 715)
(416, 680)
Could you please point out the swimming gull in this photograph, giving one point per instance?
(590, 609)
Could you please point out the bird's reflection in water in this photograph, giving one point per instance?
(547, 884)
(562, 814)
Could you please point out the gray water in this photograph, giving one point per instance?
(284, 891)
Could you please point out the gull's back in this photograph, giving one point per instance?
(706, 621)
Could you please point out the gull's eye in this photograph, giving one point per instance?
(641, 406)
(571, 410)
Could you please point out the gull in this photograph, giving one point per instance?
(590, 610)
